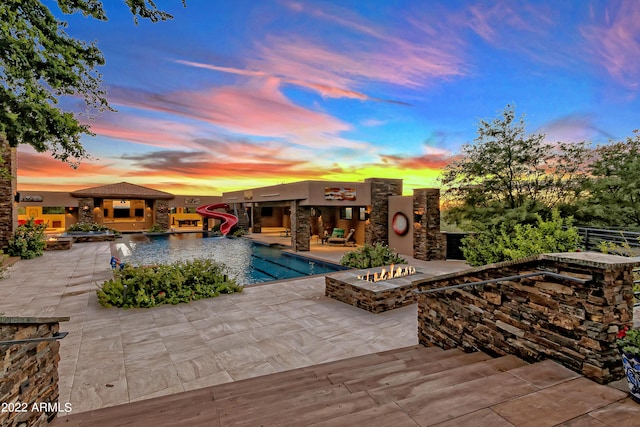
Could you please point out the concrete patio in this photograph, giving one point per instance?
(114, 356)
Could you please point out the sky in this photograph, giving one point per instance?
(244, 94)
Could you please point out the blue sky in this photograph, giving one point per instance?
(232, 95)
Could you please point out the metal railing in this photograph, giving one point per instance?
(592, 238)
(506, 278)
(54, 337)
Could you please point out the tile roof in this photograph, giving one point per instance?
(122, 190)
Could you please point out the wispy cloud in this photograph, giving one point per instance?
(256, 109)
(574, 128)
(614, 41)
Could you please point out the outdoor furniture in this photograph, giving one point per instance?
(189, 222)
(346, 241)
(285, 233)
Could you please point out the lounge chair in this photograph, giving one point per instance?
(346, 241)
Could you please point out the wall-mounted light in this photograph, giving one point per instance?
(85, 208)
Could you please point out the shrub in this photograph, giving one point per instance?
(28, 241)
(182, 281)
(87, 227)
(156, 228)
(502, 243)
(371, 256)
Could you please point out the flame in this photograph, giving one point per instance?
(386, 275)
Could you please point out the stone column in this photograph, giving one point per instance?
(8, 191)
(300, 226)
(377, 228)
(256, 226)
(428, 242)
(161, 209)
(85, 210)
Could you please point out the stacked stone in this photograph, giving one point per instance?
(29, 371)
(257, 219)
(538, 317)
(374, 297)
(8, 190)
(300, 226)
(377, 228)
(85, 210)
(428, 242)
(59, 244)
(162, 213)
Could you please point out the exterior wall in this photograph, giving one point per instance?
(300, 227)
(29, 371)
(8, 213)
(401, 244)
(85, 210)
(161, 213)
(428, 242)
(538, 317)
(377, 227)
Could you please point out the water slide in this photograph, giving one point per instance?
(228, 220)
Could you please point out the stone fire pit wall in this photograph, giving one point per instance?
(539, 317)
(374, 297)
(29, 371)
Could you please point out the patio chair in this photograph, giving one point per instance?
(346, 241)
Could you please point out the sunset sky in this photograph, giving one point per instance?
(240, 94)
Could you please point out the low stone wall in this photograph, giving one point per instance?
(98, 237)
(29, 371)
(539, 317)
(374, 297)
(61, 243)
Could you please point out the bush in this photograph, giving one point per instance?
(28, 241)
(182, 281)
(156, 228)
(87, 227)
(371, 256)
(503, 243)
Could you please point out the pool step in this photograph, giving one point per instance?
(411, 386)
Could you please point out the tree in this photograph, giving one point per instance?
(40, 63)
(507, 169)
(614, 185)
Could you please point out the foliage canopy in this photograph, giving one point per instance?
(40, 63)
(507, 169)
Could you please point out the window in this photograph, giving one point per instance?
(22, 210)
(52, 210)
(346, 213)
(138, 212)
(189, 210)
(121, 213)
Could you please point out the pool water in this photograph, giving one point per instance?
(245, 261)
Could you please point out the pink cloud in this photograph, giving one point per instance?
(258, 109)
(615, 42)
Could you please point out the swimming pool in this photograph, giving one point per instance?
(246, 261)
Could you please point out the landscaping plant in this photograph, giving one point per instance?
(503, 243)
(182, 281)
(28, 241)
(371, 256)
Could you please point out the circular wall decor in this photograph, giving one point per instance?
(400, 224)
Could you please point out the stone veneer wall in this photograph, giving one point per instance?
(29, 372)
(300, 226)
(539, 317)
(85, 215)
(428, 242)
(377, 228)
(8, 206)
(374, 297)
(161, 208)
(257, 219)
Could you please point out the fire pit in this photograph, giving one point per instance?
(375, 290)
(58, 243)
(393, 273)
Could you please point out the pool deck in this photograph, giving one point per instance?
(114, 356)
